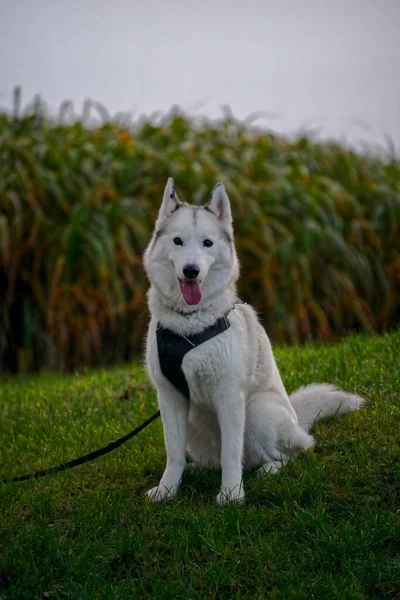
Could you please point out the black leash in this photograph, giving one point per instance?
(84, 459)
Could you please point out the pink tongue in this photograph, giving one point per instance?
(191, 291)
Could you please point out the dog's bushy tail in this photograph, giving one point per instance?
(320, 400)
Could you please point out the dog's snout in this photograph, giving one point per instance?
(191, 271)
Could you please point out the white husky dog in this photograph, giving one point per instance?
(239, 414)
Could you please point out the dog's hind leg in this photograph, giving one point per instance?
(272, 434)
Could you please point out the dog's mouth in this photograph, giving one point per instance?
(191, 291)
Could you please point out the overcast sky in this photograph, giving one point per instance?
(330, 64)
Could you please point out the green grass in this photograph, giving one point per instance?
(327, 526)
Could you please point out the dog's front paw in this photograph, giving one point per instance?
(160, 492)
(235, 494)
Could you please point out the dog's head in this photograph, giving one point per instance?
(191, 257)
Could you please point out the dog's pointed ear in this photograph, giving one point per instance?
(170, 202)
(219, 204)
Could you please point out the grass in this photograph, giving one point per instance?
(327, 526)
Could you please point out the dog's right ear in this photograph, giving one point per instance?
(170, 202)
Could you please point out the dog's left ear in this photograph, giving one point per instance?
(219, 204)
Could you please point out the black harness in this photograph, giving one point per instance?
(173, 347)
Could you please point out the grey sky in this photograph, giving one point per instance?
(327, 62)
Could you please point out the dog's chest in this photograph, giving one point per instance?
(191, 364)
(201, 367)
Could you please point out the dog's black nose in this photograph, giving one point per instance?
(191, 271)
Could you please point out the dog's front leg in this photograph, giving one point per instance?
(174, 413)
(231, 417)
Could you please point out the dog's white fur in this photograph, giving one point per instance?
(239, 413)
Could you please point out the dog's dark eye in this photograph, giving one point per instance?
(178, 241)
(207, 243)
